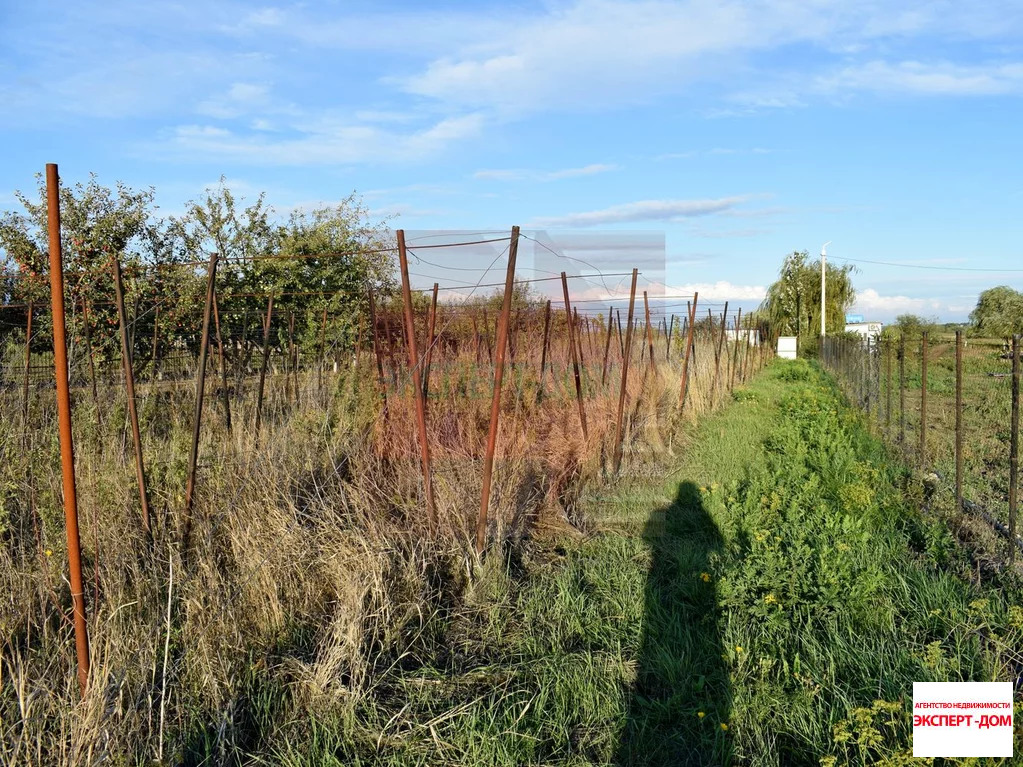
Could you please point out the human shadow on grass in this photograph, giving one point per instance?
(682, 695)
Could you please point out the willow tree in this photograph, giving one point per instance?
(793, 302)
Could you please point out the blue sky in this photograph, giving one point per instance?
(741, 130)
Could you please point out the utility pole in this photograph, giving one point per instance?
(824, 271)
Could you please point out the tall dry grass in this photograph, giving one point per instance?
(310, 572)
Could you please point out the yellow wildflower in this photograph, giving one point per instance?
(738, 648)
(49, 552)
(700, 714)
(705, 577)
(724, 726)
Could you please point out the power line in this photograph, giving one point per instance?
(925, 266)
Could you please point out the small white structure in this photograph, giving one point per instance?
(750, 335)
(869, 330)
(787, 347)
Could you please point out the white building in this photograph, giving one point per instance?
(866, 329)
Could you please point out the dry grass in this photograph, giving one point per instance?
(309, 575)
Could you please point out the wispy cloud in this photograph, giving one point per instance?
(543, 175)
(722, 290)
(329, 141)
(643, 210)
(935, 78)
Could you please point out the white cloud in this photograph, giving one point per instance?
(870, 302)
(644, 210)
(722, 290)
(939, 78)
(239, 99)
(593, 54)
(326, 140)
(541, 175)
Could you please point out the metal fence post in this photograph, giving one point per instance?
(923, 400)
(226, 394)
(888, 386)
(266, 355)
(959, 420)
(575, 359)
(607, 347)
(546, 341)
(689, 350)
(495, 402)
(1014, 450)
(129, 382)
(67, 450)
(902, 391)
(623, 392)
(649, 332)
(417, 386)
(430, 341)
(200, 391)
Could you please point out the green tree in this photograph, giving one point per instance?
(912, 325)
(793, 301)
(97, 223)
(999, 312)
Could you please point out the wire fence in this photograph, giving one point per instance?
(249, 376)
(949, 405)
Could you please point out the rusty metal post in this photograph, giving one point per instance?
(129, 382)
(431, 339)
(607, 347)
(495, 402)
(377, 351)
(689, 352)
(735, 351)
(575, 359)
(649, 333)
(577, 325)
(717, 351)
(623, 391)
(959, 420)
(200, 392)
(902, 391)
(923, 400)
(67, 451)
(1014, 450)
(223, 363)
(417, 386)
(28, 368)
(546, 340)
(621, 336)
(667, 340)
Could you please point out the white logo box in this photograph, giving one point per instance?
(957, 719)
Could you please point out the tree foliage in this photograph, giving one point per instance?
(310, 260)
(793, 302)
(999, 312)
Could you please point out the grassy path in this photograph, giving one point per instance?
(767, 598)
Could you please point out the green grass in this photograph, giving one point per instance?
(986, 417)
(768, 599)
